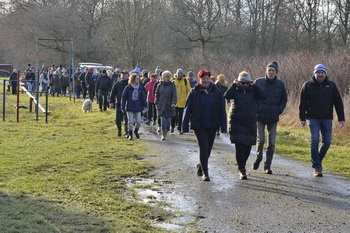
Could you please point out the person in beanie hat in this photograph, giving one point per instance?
(318, 98)
(221, 84)
(242, 119)
(205, 110)
(273, 65)
(190, 77)
(103, 87)
(115, 101)
(182, 89)
(268, 114)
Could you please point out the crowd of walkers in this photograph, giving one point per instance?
(184, 101)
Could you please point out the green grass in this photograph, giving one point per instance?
(293, 142)
(69, 175)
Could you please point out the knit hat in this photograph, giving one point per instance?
(202, 73)
(137, 70)
(221, 77)
(179, 71)
(320, 67)
(273, 65)
(244, 77)
(158, 70)
(190, 73)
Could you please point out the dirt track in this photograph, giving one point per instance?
(290, 200)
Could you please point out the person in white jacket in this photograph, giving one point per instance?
(44, 80)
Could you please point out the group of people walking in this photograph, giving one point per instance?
(184, 102)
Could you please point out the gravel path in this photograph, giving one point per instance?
(290, 200)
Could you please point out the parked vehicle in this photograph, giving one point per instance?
(6, 70)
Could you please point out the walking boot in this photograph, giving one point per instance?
(205, 176)
(136, 131)
(130, 134)
(199, 169)
(164, 132)
(126, 134)
(242, 174)
(256, 164)
(119, 126)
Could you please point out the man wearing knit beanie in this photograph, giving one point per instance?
(318, 97)
(269, 110)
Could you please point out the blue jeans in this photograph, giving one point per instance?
(315, 127)
(134, 116)
(166, 121)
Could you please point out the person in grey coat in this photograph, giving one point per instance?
(165, 101)
(268, 114)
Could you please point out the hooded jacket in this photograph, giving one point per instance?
(243, 113)
(182, 89)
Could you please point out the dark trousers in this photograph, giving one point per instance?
(242, 154)
(102, 99)
(205, 139)
(84, 90)
(177, 120)
(119, 115)
(152, 112)
(91, 92)
(14, 88)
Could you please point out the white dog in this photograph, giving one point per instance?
(87, 106)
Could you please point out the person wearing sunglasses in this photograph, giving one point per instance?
(243, 117)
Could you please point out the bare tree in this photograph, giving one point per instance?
(198, 23)
(343, 9)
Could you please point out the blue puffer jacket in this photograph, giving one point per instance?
(270, 108)
(130, 105)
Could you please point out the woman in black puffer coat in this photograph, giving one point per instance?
(243, 117)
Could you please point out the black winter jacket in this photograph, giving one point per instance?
(317, 100)
(275, 102)
(193, 110)
(103, 83)
(243, 113)
(117, 91)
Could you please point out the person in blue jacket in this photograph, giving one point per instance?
(133, 103)
(205, 110)
(243, 117)
(269, 110)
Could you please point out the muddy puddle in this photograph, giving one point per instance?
(159, 194)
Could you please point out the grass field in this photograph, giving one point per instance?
(68, 175)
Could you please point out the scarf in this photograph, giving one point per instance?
(135, 93)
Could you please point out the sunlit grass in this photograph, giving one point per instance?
(68, 175)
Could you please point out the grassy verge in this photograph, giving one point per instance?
(68, 175)
(293, 142)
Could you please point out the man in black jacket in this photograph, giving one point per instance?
(318, 96)
(115, 100)
(269, 110)
(103, 86)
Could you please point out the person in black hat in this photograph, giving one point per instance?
(103, 87)
(268, 114)
(115, 102)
